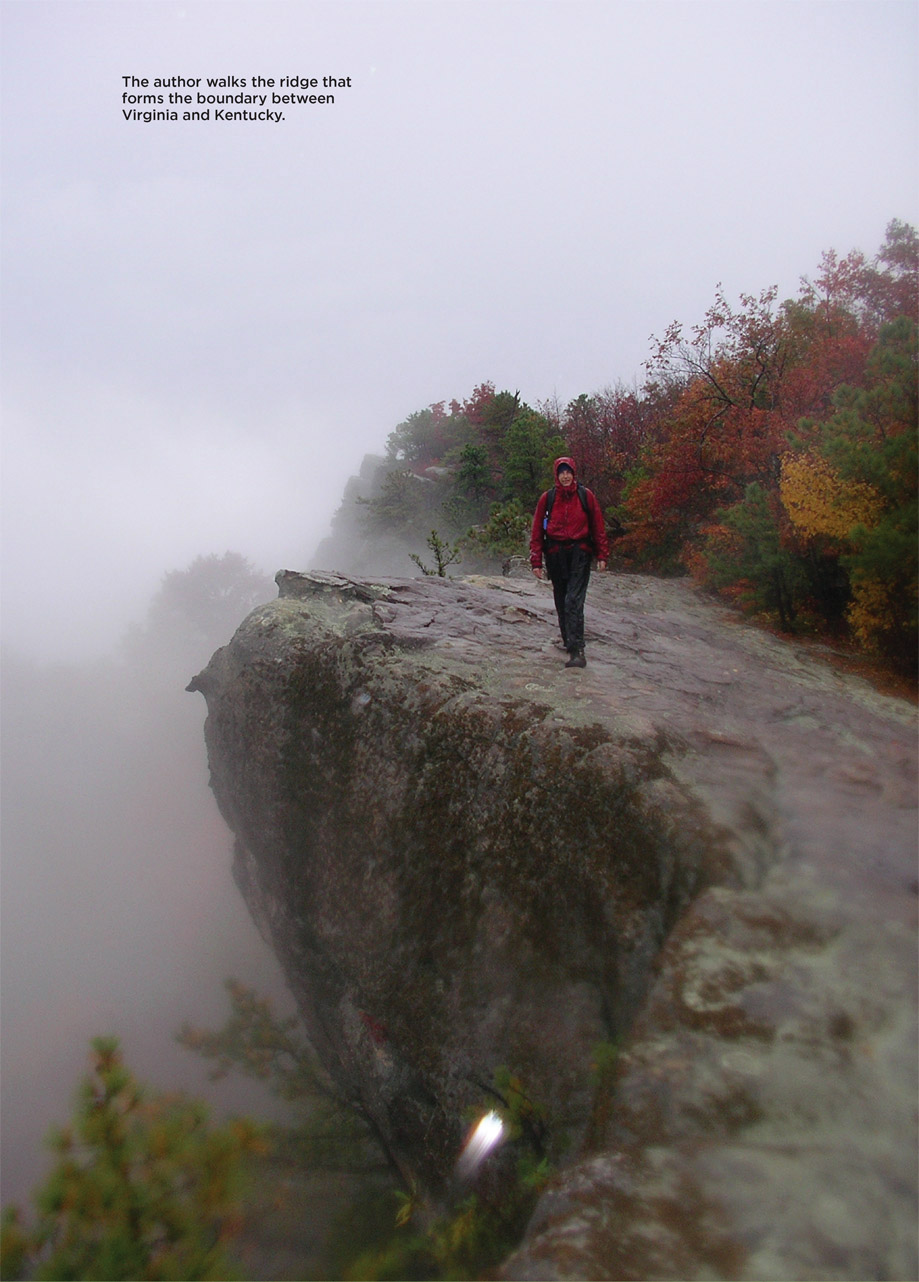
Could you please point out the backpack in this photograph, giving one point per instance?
(550, 499)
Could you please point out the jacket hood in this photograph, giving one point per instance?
(569, 462)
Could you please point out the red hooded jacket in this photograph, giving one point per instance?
(568, 522)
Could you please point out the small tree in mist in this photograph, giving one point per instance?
(143, 1188)
(327, 1133)
(199, 608)
(444, 554)
(255, 1041)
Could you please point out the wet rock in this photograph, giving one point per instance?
(702, 846)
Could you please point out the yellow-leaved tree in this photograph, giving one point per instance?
(852, 484)
(821, 504)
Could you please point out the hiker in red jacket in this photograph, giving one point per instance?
(573, 532)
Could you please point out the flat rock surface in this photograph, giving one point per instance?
(762, 1119)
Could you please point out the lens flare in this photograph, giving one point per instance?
(484, 1136)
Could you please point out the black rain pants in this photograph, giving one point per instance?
(568, 568)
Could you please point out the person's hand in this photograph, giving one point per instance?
(537, 570)
(601, 565)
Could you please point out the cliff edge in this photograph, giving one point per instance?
(700, 850)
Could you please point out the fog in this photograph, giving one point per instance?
(119, 914)
(207, 325)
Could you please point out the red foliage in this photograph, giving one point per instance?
(740, 381)
(475, 408)
(605, 433)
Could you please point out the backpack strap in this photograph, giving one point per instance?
(550, 499)
(582, 495)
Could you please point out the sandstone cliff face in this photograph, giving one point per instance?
(704, 845)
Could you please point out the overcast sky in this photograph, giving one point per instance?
(207, 324)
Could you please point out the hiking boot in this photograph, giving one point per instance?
(577, 660)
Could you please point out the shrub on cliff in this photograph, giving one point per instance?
(143, 1188)
(260, 1044)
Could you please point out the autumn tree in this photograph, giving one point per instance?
(586, 437)
(759, 433)
(850, 484)
(786, 446)
(605, 434)
(475, 408)
(722, 429)
(870, 292)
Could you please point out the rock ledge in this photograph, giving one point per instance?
(702, 845)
